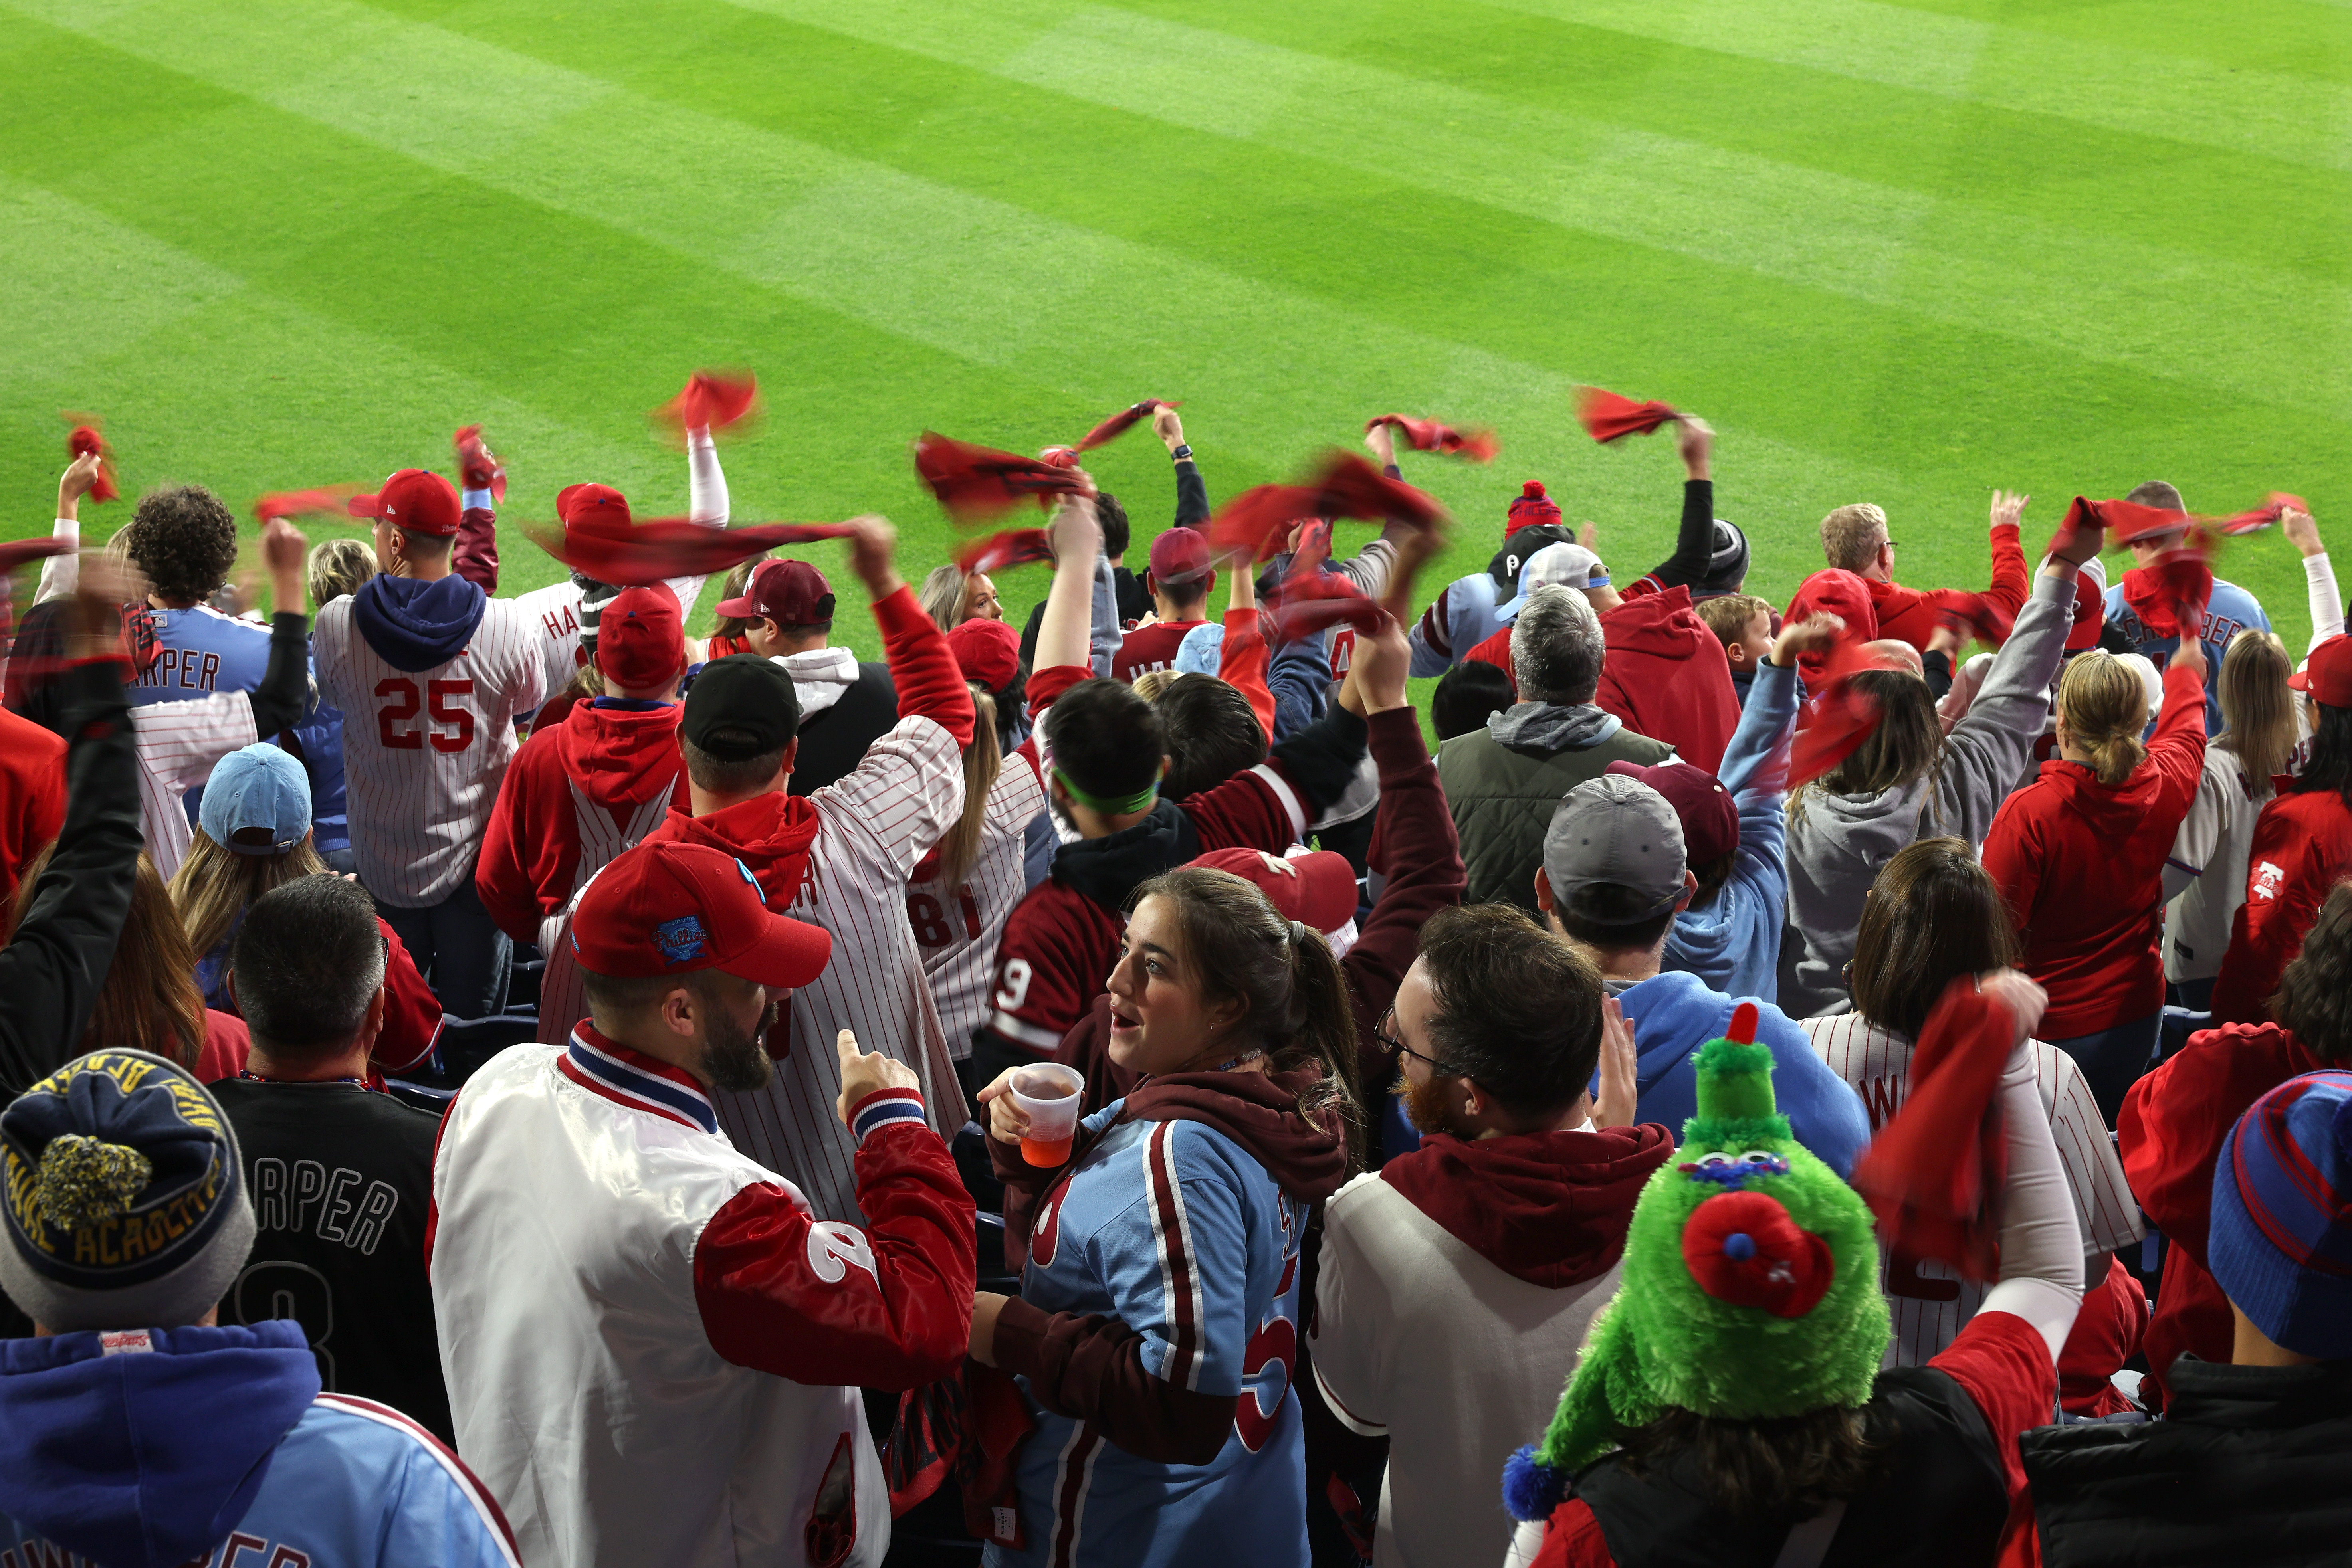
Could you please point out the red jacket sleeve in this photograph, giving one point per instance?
(822, 1302)
(524, 871)
(1573, 1539)
(1091, 1367)
(475, 555)
(411, 1013)
(2284, 894)
(1241, 663)
(2004, 1364)
(2011, 580)
(1415, 846)
(929, 684)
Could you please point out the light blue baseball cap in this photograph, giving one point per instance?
(258, 786)
(1202, 651)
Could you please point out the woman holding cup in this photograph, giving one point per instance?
(1158, 1324)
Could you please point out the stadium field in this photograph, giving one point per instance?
(1895, 251)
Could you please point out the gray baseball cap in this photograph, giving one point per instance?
(1614, 832)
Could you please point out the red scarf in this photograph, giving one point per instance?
(2178, 585)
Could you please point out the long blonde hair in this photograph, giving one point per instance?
(2104, 705)
(983, 760)
(2258, 718)
(214, 886)
(149, 1002)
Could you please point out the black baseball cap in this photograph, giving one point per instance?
(1504, 568)
(746, 693)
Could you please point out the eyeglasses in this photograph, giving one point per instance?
(1384, 1035)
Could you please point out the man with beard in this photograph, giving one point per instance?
(1458, 1277)
(653, 1347)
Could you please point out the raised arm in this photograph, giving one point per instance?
(1192, 490)
(1695, 538)
(476, 558)
(1063, 632)
(2010, 582)
(2319, 576)
(2041, 1245)
(282, 700)
(1241, 660)
(52, 971)
(60, 573)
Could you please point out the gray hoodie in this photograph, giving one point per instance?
(1838, 844)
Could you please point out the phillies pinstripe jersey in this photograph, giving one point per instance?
(957, 928)
(179, 743)
(423, 750)
(1930, 1301)
(1177, 1231)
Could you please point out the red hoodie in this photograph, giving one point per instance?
(2081, 864)
(2301, 848)
(1666, 677)
(576, 795)
(1908, 615)
(2170, 1133)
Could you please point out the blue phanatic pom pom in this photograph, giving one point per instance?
(1531, 1489)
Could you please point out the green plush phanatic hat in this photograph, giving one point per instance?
(1750, 1291)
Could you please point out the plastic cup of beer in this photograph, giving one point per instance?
(1049, 1094)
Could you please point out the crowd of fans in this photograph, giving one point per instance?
(503, 1079)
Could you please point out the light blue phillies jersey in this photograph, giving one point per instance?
(1178, 1232)
(2230, 612)
(198, 652)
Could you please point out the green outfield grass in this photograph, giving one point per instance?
(1901, 253)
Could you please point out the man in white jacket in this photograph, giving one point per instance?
(1459, 1280)
(653, 1348)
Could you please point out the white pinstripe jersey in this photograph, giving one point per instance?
(876, 824)
(602, 841)
(1929, 1301)
(423, 750)
(958, 928)
(554, 611)
(179, 745)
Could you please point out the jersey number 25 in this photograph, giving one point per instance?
(393, 731)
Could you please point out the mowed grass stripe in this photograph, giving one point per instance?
(2123, 301)
(992, 283)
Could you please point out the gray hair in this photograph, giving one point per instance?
(1556, 647)
(308, 959)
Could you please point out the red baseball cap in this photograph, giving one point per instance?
(1709, 818)
(2090, 607)
(415, 501)
(1316, 888)
(641, 638)
(1179, 556)
(673, 909)
(578, 503)
(2328, 674)
(790, 593)
(988, 652)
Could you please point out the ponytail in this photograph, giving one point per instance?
(960, 847)
(2105, 707)
(1295, 997)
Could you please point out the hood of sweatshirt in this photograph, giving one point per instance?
(621, 755)
(1109, 868)
(1659, 625)
(1855, 835)
(819, 676)
(1547, 727)
(1259, 1110)
(415, 625)
(143, 1449)
(770, 833)
(2113, 810)
(1550, 1208)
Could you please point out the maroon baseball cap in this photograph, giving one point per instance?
(792, 593)
(673, 909)
(579, 504)
(640, 638)
(988, 652)
(1703, 807)
(2327, 676)
(1179, 556)
(1316, 888)
(415, 501)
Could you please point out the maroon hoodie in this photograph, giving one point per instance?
(1550, 1208)
(1667, 677)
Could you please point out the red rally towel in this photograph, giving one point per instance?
(1428, 435)
(1118, 425)
(85, 438)
(980, 483)
(325, 499)
(1971, 613)
(2264, 516)
(2170, 595)
(971, 1426)
(477, 466)
(639, 555)
(1010, 548)
(716, 399)
(2121, 522)
(1607, 416)
(1933, 1174)
(1313, 601)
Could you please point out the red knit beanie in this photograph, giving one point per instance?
(1532, 507)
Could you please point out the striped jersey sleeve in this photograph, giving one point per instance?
(2105, 1209)
(178, 744)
